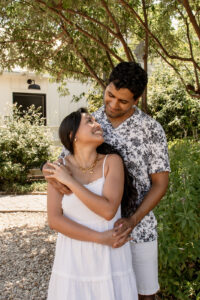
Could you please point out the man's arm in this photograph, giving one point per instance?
(105, 205)
(64, 225)
(152, 198)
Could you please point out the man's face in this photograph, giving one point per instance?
(118, 103)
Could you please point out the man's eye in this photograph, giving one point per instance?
(123, 102)
(111, 95)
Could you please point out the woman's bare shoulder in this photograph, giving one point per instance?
(113, 162)
(114, 158)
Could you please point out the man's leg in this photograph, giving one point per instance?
(145, 266)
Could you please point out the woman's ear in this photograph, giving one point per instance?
(70, 135)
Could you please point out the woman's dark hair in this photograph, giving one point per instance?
(68, 128)
(67, 132)
(131, 76)
(129, 198)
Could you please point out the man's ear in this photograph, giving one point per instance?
(135, 102)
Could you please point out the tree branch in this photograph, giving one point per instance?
(83, 59)
(119, 34)
(191, 16)
(179, 75)
(103, 45)
(140, 21)
(145, 57)
(78, 12)
(191, 51)
(190, 46)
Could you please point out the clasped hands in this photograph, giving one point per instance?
(62, 188)
(58, 172)
(58, 175)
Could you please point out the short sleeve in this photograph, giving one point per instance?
(158, 159)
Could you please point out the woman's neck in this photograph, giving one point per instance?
(85, 157)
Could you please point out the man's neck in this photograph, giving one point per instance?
(118, 121)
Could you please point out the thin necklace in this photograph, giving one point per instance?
(90, 168)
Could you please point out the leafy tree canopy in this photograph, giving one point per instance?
(85, 39)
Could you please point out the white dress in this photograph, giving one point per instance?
(86, 270)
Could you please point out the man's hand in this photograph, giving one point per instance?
(122, 225)
(63, 189)
(109, 238)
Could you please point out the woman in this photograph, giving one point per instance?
(85, 266)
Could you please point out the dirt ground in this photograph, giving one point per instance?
(27, 248)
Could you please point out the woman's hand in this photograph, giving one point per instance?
(63, 189)
(59, 172)
(110, 238)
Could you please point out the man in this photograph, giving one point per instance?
(142, 143)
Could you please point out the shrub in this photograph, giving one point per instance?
(24, 144)
(178, 217)
(171, 106)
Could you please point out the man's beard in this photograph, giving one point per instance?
(115, 115)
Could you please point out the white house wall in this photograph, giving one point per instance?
(57, 107)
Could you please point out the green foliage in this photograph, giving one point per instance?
(94, 98)
(170, 105)
(24, 144)
(85, 39)
(25, 188)
(178, 217)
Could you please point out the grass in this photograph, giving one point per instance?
(30, 187)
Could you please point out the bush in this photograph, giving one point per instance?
(171, 106)
(24, 144)
(178, 217)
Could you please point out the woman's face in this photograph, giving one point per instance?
(89, 130)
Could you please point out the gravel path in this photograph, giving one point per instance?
(26, 254)
(9, 203)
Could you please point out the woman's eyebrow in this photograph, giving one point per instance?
(88, 117)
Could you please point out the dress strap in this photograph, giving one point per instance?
(64, 161)
(104, 164)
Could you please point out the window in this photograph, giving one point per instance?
(26, 100)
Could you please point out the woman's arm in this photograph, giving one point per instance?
(64, 225)
(106, 205)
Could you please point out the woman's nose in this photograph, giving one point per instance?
(97, 125)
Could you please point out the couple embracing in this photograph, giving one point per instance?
(113, 171)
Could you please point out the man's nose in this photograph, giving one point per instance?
(114, 104)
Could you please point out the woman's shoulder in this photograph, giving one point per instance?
(114, 156)
(113, 159)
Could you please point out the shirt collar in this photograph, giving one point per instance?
(102, 114)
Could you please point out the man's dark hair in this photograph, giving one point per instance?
(131, 76)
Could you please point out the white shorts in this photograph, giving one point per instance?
(145, 266)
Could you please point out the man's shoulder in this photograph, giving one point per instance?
(149, 122)
(100, 116)
(99, 112)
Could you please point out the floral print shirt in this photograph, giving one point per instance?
(142, 143)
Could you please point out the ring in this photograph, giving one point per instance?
(59, 164)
